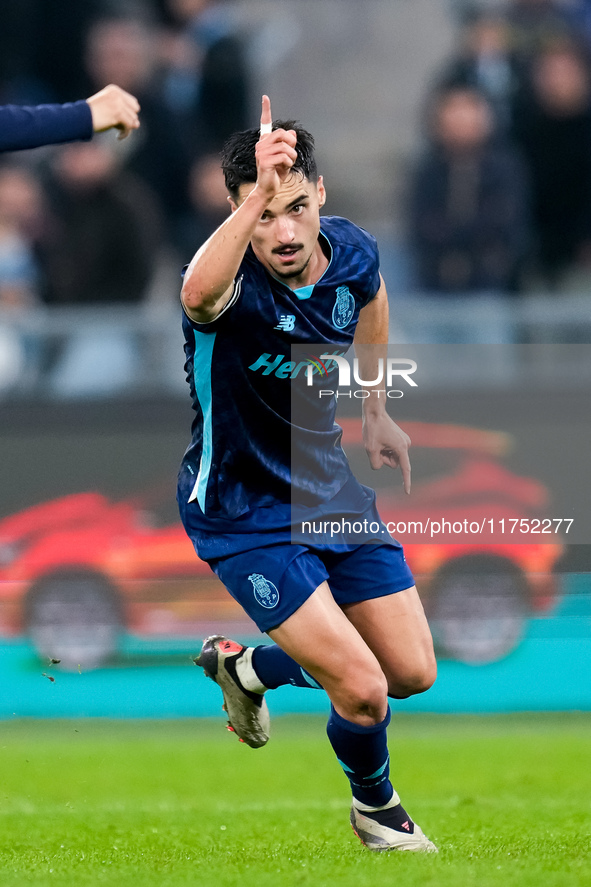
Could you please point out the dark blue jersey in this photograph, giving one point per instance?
(29, 127)
(262, 438)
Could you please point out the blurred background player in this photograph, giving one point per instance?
(345, 617)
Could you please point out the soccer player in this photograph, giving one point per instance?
(344, 617)
(30, 127)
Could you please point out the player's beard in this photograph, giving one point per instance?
(289, 273)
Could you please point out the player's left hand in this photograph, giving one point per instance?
(387, 444)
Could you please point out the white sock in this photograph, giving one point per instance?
(364, 808)
(246, 673)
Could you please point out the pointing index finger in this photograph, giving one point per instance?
(266, 118)
(405, 468)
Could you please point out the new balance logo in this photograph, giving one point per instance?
(286, 323)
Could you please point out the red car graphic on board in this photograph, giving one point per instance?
(77, 571)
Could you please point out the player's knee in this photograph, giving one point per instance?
(413, 681)
(365, 694)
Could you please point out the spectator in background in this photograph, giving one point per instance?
(206, 78)
(486, 63)
(534, 24)
(579, 17)
(209, 204)
(123, 51)
(104, 236)
(101, 250)
(21, 222)
(469, 220)
(554, 130)
(21, 201)
(206, 86)
(41, 47)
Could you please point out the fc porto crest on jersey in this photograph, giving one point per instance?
(265, 592)
(344, 308)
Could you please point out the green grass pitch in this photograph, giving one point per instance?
(506, 798)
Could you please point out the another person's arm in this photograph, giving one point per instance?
(114, 108)
(385, 442)
(24, 127)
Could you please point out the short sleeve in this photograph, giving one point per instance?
(212, 325)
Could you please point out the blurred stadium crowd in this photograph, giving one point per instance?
(496, 242)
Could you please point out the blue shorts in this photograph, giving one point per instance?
(272, 582)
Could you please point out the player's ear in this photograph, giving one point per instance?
(321, 191)
(233, 205)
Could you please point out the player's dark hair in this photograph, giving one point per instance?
(239, 161)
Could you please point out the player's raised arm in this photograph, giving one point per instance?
(209, 279)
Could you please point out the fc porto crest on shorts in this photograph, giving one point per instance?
(264, 591)
(344, 308)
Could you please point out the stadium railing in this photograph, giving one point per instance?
(106, 351)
